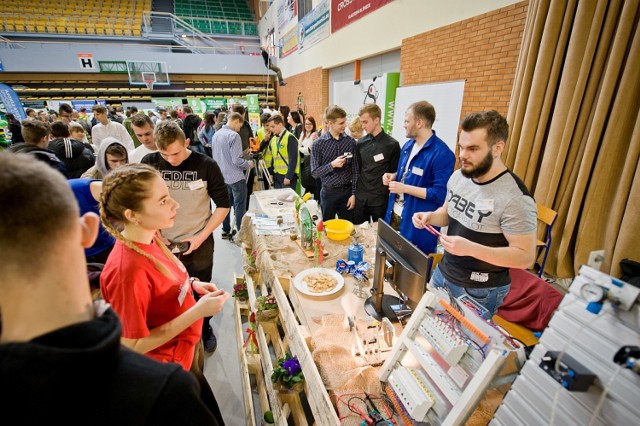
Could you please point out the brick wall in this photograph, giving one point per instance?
(314, 85)
(482, 50)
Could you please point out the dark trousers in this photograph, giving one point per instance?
(363, 212)
(200, 264)
(334, 201)
(206, 394)
(278, 182)
(250, 181)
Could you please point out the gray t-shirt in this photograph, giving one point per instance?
(483, 213)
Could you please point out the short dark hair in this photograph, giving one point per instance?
(166, 133)
(423, 110)
(140, 119)
(235, 116)
(59, 130)
(264, 117)
(372, 109)
(99, 108)
(333, 112)
(239, 108)
(34, 130)
(276, 118)
(495, 125)
(65, 108)
(38, 208)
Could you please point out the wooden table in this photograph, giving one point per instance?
(271, 264)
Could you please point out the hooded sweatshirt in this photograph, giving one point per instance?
(80, 374)
(100, 170)
(76, 156)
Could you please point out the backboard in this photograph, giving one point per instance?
(142, 72)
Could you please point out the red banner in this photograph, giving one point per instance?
(344, 12)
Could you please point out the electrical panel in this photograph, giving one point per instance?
(583, 369)
(445, 360)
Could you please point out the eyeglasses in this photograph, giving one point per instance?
(308, 124)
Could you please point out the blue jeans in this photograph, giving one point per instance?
(490, 298)
(238, 199)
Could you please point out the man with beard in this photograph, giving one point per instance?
(490, 214)
(420, 184)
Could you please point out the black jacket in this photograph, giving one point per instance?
(42, 154)
(75, 155)
(81, 374)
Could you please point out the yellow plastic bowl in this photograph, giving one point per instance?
(338, 229)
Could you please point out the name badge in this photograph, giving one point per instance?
(378, 157)
(183, 291)
(484, 205)
(196, 184)
(416, 171)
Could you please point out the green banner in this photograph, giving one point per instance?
(202, 105)
(167, 102)
(393, 81)
(253, 112)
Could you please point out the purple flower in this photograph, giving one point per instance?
(292, 366)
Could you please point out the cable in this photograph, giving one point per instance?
(556, 366)
(605, 391)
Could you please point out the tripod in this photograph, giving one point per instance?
(262, 172)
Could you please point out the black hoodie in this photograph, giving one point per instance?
(74, 154)
(80, 374)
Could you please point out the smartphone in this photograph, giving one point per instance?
(177, 248)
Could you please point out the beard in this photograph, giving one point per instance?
(480, 169)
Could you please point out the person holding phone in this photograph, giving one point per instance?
(147, 286)
(332, 161)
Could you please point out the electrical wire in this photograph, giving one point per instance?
(605, 391)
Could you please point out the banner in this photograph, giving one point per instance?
(253, 112)
(167, 102)
(378, 90)
(289, 42)
(77, 105)
(344, 12)
(287, 10)
(202, 105)
(314, 27)
(11, 102)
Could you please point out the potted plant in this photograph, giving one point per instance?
(287, 375)
(266, 307)
(240, 291)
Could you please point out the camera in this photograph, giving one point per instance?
(348, 155)
(177, 248)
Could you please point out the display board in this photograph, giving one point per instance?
(378, 90)
(446, 97)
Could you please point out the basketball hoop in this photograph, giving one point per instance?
(149, 84)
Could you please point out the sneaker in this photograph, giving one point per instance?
(282, 83)
(225, 235)
(210, 341)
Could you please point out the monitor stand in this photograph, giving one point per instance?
(387, 309)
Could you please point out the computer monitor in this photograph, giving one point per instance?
(405, 267)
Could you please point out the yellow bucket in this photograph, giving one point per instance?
(338, 229)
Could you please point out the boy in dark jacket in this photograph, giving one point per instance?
(75, 155)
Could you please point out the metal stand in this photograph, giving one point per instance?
(262, 172)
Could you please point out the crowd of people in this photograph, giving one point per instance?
(148, 191)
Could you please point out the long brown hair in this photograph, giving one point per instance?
(126, 188)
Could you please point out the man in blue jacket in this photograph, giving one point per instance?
(420, 184)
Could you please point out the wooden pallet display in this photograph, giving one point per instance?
(299, 340)
(249, 362)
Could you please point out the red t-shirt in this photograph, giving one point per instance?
(144, 298)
